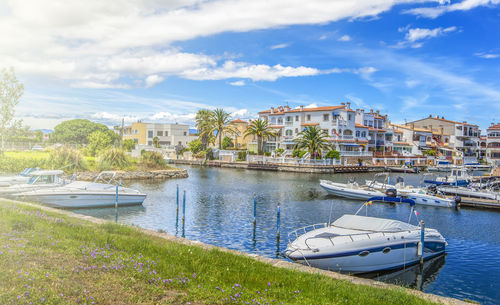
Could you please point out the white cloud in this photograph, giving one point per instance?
(345, 38)
(419, 34)
(414, 36)
(97, 44)
(465, 5)
(323, 37)
(238, 83)
(153, 80)
(487, 55)
(242, 113)
(313, 105)
(279, 46)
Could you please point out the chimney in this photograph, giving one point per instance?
(272, 109)
(301, 107)
(371, 111)
(378, 112)
(287, 108)
(348, 105)
(343, 104)
(430, 115)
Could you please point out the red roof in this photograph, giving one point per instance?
(494, 127)
(449, 121)
(238, 121)
(283, 111)
(374, 129)
(360, 126)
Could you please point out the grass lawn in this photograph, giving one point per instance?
(50, 258)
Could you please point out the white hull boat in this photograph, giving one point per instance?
(80, 194)
(349, 190)
(21, 178)
(37, 180)
(470, 193)
(419, 195)
(360, 244)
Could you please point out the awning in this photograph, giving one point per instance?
(352, 145)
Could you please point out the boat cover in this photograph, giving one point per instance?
(365, 223)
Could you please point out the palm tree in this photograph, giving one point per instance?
(156, 142)
(313, 139)
(221, 121)
(205, 127)
(261, 130)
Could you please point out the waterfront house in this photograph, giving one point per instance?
(463, 138)
(493, 144)
(169, 135)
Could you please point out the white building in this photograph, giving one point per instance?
(493, 144)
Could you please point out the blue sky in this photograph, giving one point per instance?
(161, 61)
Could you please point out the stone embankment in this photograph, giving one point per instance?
(138, 175)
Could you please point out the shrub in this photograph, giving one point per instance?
(227, 142)
(242, 155)
(200, 155)
(67, 159)
(267, 153)
(195, 146)
(279, 151)
(209, 154)
(18, 162)
(152, 159)
(298, 153)
(99, 141)
(128, 144)
(332, 154)
(113, 158)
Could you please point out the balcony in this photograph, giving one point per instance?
(288, 123)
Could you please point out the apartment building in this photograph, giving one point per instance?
(169, 135)
(493, 144)
(239, 139)
(352, 132)
(463, 138)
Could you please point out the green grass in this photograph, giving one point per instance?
(49, 258)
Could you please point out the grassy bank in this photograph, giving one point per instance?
(49, 258)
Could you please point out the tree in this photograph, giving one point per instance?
(156, 142)
(259, 128)
(128, 144)
(205, 127)
(195, 146)
(333, 154)
(11, 91)
(99, 141)
(221, 123)
(77, 132)
(314, 140)
(227, 142)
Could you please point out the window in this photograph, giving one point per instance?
(180, 143)
(296, 130)
(308, 117)
(166, 133)
(325, 117)
(159, 133)
(358, 133)
(150, 133)
(365, 123)
(296, 118)
(288, 132)
(185, 133)
(136, 131)
(363, 134)
(150, 142)
(288, 118)
(349, 117)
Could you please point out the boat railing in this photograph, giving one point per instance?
(102, 175)
(297, 232)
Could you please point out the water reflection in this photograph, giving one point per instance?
(220, 211)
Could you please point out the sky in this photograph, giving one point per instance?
(163, 60)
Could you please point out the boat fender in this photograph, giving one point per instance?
(391, 192)
(420, 249)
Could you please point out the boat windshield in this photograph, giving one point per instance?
(46, 179)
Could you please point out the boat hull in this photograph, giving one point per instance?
(346, 192)
(79, 201)
(400, 255)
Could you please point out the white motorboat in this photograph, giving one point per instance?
(39, 179)
(21, 178)
(470, 192)
(81, 194)
(349, 190)
(421, 195)
(360, 244)
(459, 176)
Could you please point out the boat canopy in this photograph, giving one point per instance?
(365, 223)
(46, 172)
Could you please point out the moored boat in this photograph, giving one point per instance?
(360, 244)
(351, 190)
(81, 194)
(39, 179)
(21, 178)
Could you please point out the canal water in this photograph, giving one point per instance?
(219, 211)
